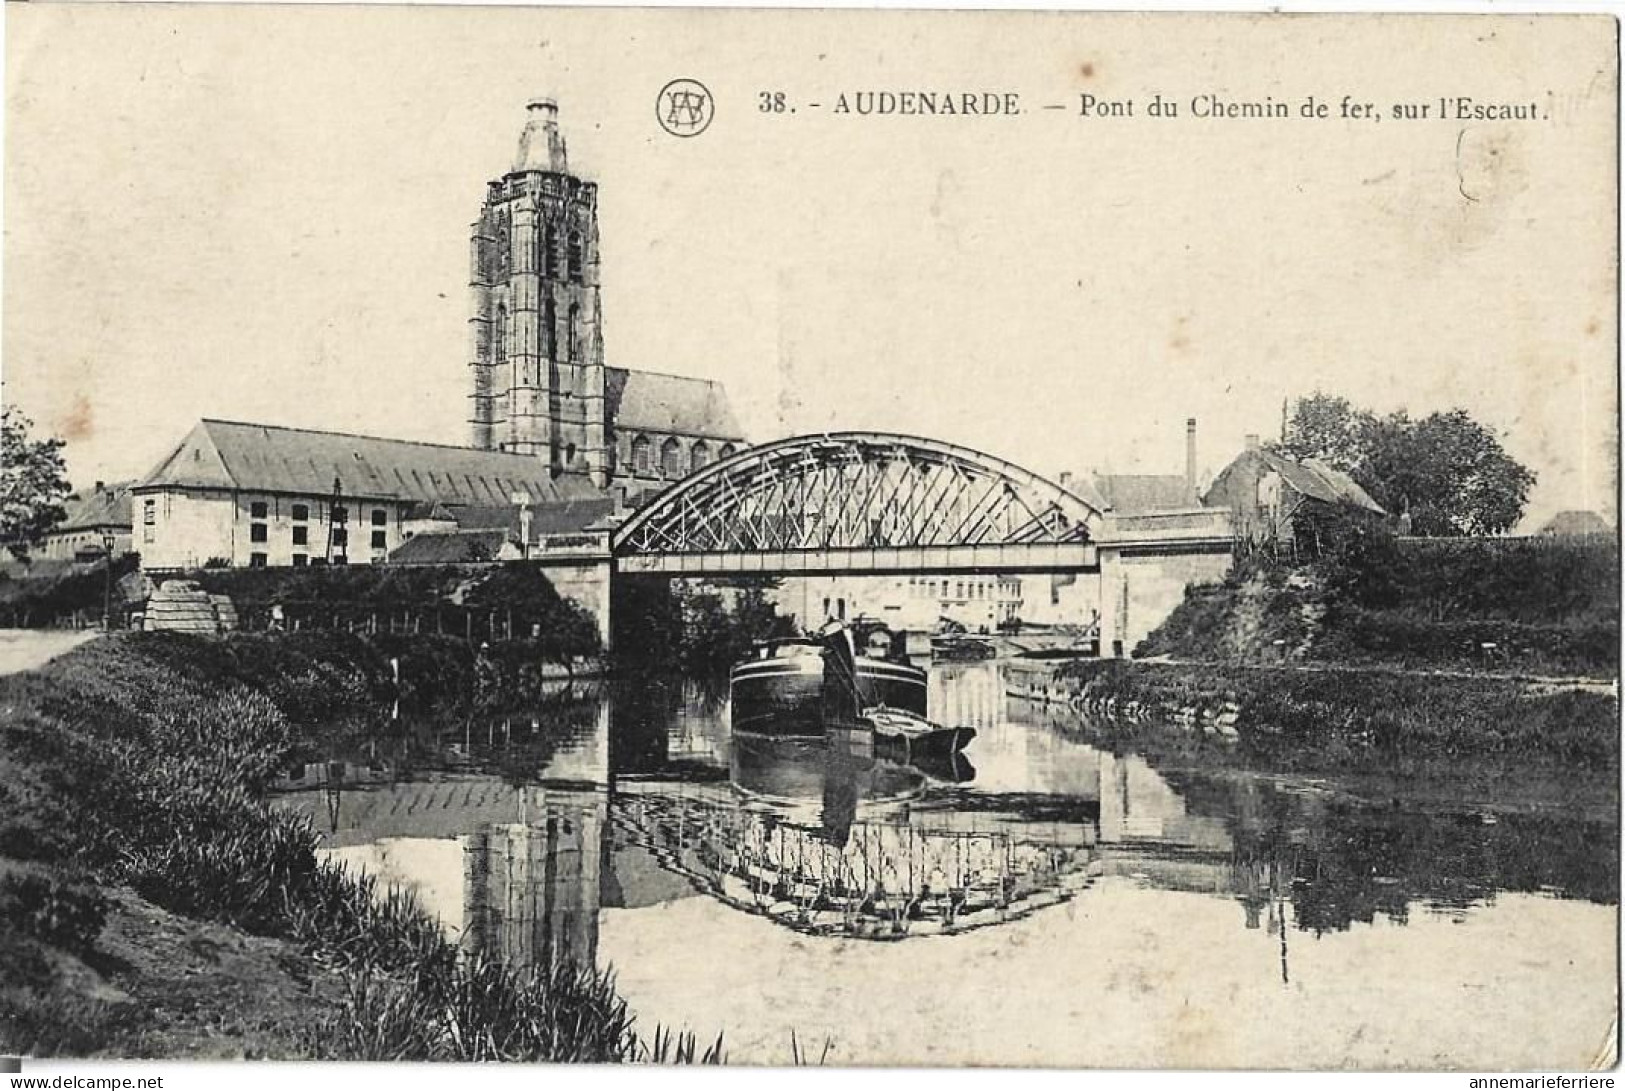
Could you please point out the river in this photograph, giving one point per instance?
(1057, 899)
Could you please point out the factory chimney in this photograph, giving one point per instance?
(1190, 459)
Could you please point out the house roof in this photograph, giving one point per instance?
(267, 458)
(1144, 492)
(1311, 478)
(1576, 524)
(450, 547)
(108, 506)
(649, 401)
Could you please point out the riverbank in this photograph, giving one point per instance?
(1359, 719)
(132, 819)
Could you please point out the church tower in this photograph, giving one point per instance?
(536, 349)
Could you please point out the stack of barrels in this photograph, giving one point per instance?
(183, 606)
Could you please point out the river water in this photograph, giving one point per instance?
(1061, 898)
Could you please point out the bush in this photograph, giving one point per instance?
(63, 914)
(1290, 718)
(61, 590)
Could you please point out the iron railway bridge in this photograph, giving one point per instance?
(859, 503)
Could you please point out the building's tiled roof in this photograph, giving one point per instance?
(559, 517)
(266, 458)
(1576, 524)
(569, 516)
(108, 506)
(1144, 492)
(649, 401)
(450, 547)
(1310, 477)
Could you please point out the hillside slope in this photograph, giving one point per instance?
(1528, 606)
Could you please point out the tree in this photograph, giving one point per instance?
(1447, 472)
(1326, 427)
(33, 482)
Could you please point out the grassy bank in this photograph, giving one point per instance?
(1531, 606)
(1290, 717)
(131, 777)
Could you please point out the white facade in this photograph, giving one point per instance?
(918, 603)
(177, 528)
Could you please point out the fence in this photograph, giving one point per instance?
(476, 624)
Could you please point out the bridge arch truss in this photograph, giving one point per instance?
(859, 502)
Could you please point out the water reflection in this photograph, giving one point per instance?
(529, 828)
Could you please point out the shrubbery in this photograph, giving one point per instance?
(52, 909)
(141, 757)
(39, 599)
(1291, 717)
(1530, 606)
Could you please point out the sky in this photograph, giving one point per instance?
(262, 214)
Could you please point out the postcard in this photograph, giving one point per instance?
(849, 537)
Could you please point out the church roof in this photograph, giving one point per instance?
(649, 401)
(221, 454)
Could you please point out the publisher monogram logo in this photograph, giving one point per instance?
(684, 108)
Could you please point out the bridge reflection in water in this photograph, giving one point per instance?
(648, 799)
(740, 886)
(538, 824)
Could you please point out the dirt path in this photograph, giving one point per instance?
(26, 649)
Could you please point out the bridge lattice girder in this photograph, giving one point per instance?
(856, 491)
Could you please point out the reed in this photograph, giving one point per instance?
(144, 759)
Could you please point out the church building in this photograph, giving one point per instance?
(550, 422)
(539, 383)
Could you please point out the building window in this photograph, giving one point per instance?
(573, 342)
(341, 515)
(301, 512)
(640, 455)
(726, 452)
(257, 560)
(149, 520)
(550, 332)
(699, 456)
(300, 560)
(575, 257)
(341, 537)
(258, 533)
(380, 517)
(301, 536)
(378, 540)
(670, 456)
(257, 509)
(547, 260)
